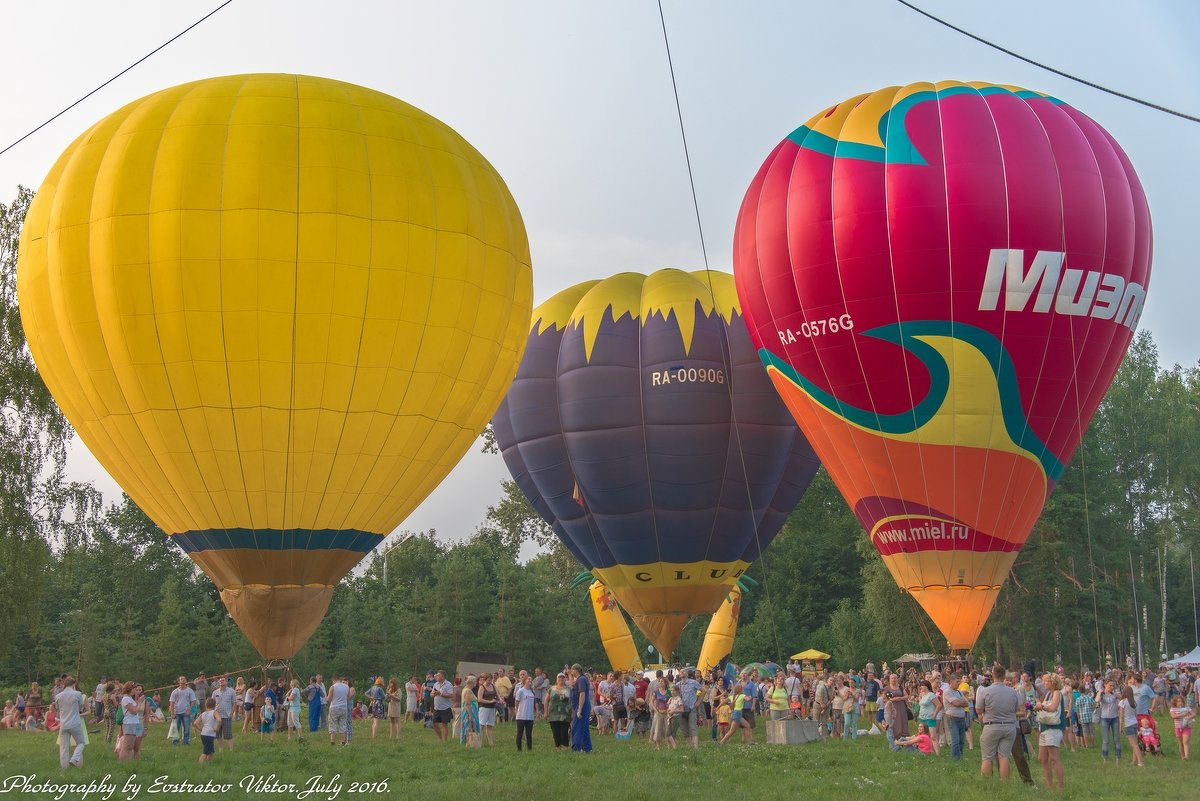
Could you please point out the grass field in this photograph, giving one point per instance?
(418, 767)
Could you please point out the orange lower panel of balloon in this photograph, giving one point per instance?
(277, 620)
(958, 612)
(663, 631)
(996, 495)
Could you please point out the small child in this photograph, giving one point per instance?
(267, 714)
(1183, 716)
(209, 724)
(724, 716)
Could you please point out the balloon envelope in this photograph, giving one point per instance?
(942, 280)
(642, 427)
(277, 309)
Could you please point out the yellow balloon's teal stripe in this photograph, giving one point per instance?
(274, 539)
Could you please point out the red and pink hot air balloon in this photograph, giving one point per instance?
(942, 280)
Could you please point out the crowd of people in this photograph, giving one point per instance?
(668, 707)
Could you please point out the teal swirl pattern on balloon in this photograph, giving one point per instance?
(906, 335)
(899, 148)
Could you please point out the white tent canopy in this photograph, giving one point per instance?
(1189, 660)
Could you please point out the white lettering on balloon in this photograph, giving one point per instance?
(1075, 293)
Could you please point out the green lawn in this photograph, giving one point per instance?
(418, 767)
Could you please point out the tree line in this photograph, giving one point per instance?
(101, 590)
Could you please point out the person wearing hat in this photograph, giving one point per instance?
(581, 710)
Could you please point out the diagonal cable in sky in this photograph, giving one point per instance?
(1039, 64)
(113, 78)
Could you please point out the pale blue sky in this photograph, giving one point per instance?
(572, 103)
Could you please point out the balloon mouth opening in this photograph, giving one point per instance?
(278, 620)
(941, 587)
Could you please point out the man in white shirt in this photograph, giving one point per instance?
(604, 686)
(443, 691)
(69, 703)
(180, 708)
(339, 709)
(98, 700)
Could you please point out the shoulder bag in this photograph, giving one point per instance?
(1050, 718)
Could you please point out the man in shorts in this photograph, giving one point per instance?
(339, 710)
(871, 692)
(750, 691)
(996, 706)
(223, 697)
(443, 692)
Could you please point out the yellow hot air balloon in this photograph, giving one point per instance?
(615, 635)
(722, 630)
(278, 309)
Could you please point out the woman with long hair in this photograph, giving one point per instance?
(1108, 701)
(660, 699)
(1128, 708)
(248, 705)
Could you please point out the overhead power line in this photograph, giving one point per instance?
(113, 78)
(1067, 75)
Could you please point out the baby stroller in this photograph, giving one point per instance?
(1148, 735)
